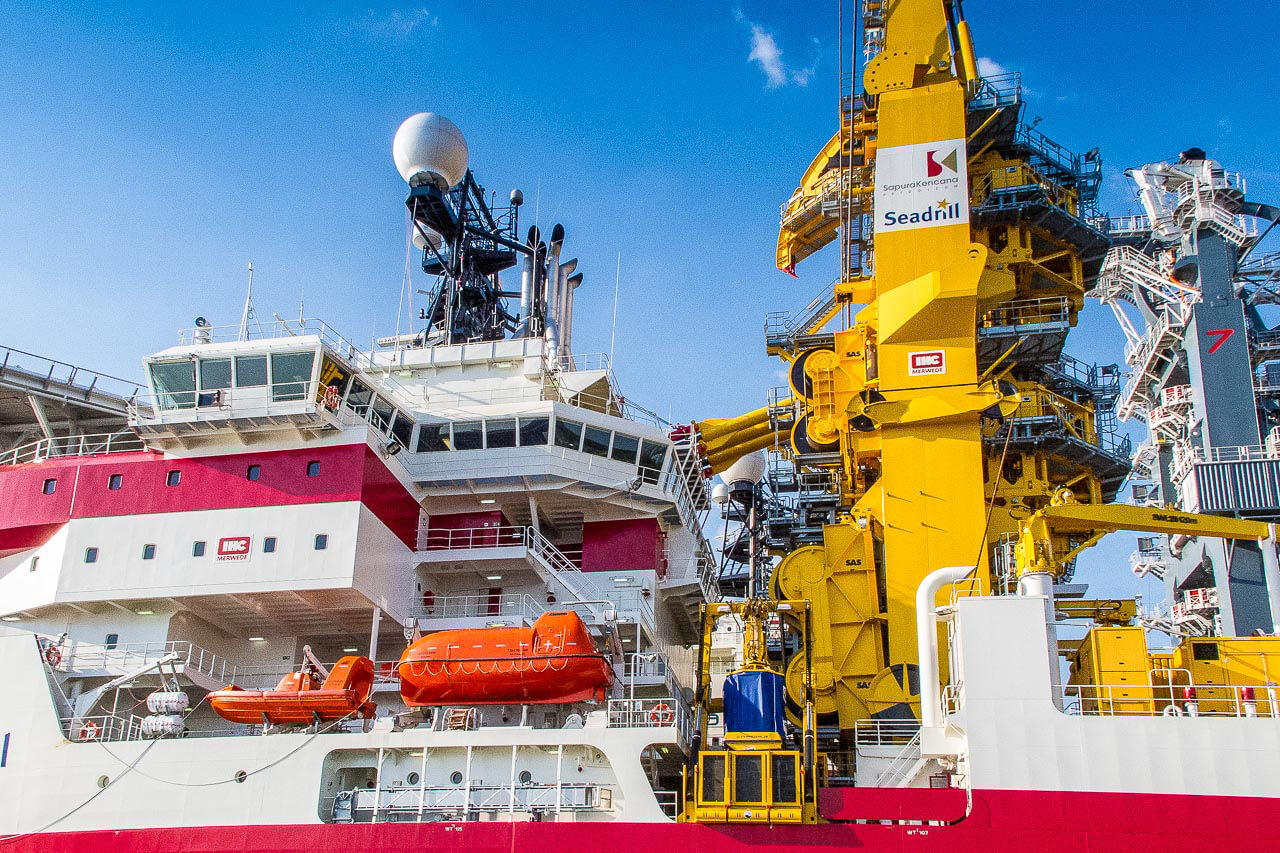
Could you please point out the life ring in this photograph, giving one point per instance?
(52, 654)
(89, 731)
(662, 715)
(1172, 711)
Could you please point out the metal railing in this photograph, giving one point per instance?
(665, 712)
(1023, 312)
(74, 445)
(260, 401)
(1171, 699)
(85, 656)
(270, 329)
(49, 372)
(439, 539)
(900, 768)
(515, 606)
(873, 732)
(513, 796)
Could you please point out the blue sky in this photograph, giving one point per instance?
(149, 150)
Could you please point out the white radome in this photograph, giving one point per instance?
(431, 145)
(433, 238)
(749, 468)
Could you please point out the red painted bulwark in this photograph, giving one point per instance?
(631, 544)
(467, 520)
(945, 804)
(347, 473)
(15, 540)
(1000, 822)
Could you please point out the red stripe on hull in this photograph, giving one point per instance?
(348, 472)
(1015, 821)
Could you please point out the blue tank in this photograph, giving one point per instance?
(753, 702)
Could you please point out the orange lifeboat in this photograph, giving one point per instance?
(553, 661)
(300, 699)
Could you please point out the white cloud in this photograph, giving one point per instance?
(402, 24)
(766, 53)
(988, 67)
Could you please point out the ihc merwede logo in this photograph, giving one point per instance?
(934, 166)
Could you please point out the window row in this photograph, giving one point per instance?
(174, 478)
(648, 455)
(189, 383)
(198, 549)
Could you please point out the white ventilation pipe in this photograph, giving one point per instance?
(562, 304)
(1271, 574)
(1041, 583)
(526, 295)
(551, 281)
(572, 284)
(927, 640)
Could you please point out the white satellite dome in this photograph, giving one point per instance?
(433, 238)
(430, 147)
(749, 469)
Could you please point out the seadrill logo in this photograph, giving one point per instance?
(920, 186)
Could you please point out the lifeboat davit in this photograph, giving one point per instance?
(301, 699)
(553, 661)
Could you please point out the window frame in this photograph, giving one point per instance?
(149, 551)
(115, 482)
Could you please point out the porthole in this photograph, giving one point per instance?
(240, 776)
(456, 777)
(525, 777)
(412, 779)
(103, 781)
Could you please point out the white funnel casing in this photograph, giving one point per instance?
(429, 148)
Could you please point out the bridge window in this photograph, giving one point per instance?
(115, 481)
(91, 555)
(175, 384)
(251, 371)
(568, 434)
(148, 552)
(359, 397)
(433, 438)
(322, 541)
(596, 441)
(290, 375)
(402, 429)
(269, 545)
(197, 549)
(215, 374)
(625, 448)
(468, 436)
(500, 433)
(381, 414)
(533, 431)
(652, 455)
(173, 478)
(253, 472)
(111, 641)
(49, 487)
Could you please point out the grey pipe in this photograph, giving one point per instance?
(572, 284)
(562, 304)
(551, 329)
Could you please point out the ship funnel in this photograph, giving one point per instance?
(551, 290)
(429, 149)
(571, 285)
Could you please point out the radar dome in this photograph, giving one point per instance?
(749, 469)
(430, 148)
(433, 238)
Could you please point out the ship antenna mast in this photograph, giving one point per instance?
(248, 313)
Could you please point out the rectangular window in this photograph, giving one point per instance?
(568, 434)
(322, 541)
(381, 414)
(251, 371)
(269, 545)
(173, 478)
(359, 398)
(500, 433)
(748, 781)
(402, 429)
(91, 555)
(111, 641)
(433, 438)
(713, 778)
(115, 481)
(468, 436)
(175, 384)
(595, 441)
(148, 552)
(313, 468)
(253, 472)
(533, 431)
(652, 455)
(290, 375)
(34, 562)
(783, 771)
(197, 549)
(625, 448)
(49, 487)
(215, 374)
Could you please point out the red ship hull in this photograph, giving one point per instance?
(1016, 821)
